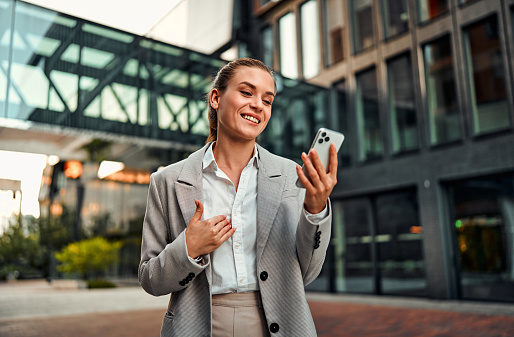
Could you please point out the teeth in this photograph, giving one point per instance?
(250, 118)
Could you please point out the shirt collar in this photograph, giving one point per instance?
(209, 160)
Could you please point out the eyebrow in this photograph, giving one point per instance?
(254, 87)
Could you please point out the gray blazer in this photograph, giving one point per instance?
(290, 250)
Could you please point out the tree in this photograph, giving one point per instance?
(88, 257)
(20, 253)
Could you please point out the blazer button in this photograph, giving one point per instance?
(274, 327)
(182, 283)
(264, 276)
(191, 275)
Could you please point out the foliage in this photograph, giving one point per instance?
(100, 283)
(89, 256)
(19, 251)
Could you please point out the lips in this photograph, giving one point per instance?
(251, 118)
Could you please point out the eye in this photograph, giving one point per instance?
(246, 93)
(267, 102)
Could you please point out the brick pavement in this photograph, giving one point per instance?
(331, 318)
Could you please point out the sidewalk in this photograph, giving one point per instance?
(35, 308)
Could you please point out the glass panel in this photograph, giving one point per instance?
(396, 17)
(267, 46)
(362, 23)
(486, 76)
(440, 90)
(402, 104)
(311, 54)
(288, 49)
(351, 241)
(368, 117)
(333, 31)
(429, 9)
(5, 48)
(400, 244)
(483, 223)
(342, 113)
(30, 86)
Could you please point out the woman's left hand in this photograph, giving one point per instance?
(322, 183)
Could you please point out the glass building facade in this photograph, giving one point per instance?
(423, 91)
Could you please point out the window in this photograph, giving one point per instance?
(311, 53)
(351, 240)
(5, 32)
(444, 120)
(399, 239)
(288, 48)
(333, 31)
(396, 17)
(342, 114)
(267, 46)
(482, 225)
(402, 104)
(429, 9)
(362, 23)
(368, 117)
(377, 245)
(486, 76)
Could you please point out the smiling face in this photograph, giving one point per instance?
(244, 107)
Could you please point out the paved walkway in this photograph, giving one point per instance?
(38, 309)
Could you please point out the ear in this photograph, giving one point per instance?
(214, 98)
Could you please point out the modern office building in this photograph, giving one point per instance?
(422, 89)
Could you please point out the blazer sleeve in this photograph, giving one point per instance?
(165, 266)
(312, 240)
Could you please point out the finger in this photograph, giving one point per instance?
(222, 223)
(316, 162)
(199, 211)
(216, 219)
(313, 173)
(332, 166)
(228, 234)
(302, 177)
(225, 229)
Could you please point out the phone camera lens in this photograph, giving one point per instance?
(327, 139)
(320, 140)
(323, 134)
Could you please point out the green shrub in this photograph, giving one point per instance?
(88, 257)
(94, 284)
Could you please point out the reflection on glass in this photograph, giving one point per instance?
(368, 117)
(333, 31)
(5, 38)
(483, 224)
(396, 17)
(400, 244)
(429, 9)
(401, 104)
(288, 51)
(440, 91)
(362, 23)
(311, 53)
(267, 46)
(351, 241)
(342, 114)
(486, 76)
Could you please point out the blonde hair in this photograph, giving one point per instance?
(220, 83)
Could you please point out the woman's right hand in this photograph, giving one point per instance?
(205, 236)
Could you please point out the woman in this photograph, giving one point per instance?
(227, 231)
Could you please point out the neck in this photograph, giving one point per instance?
(233, 155)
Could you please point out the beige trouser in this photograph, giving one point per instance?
(238, 315)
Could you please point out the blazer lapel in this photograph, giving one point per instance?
(270, 184)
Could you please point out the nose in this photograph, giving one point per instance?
(256, 103)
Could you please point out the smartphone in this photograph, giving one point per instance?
(321, 143)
